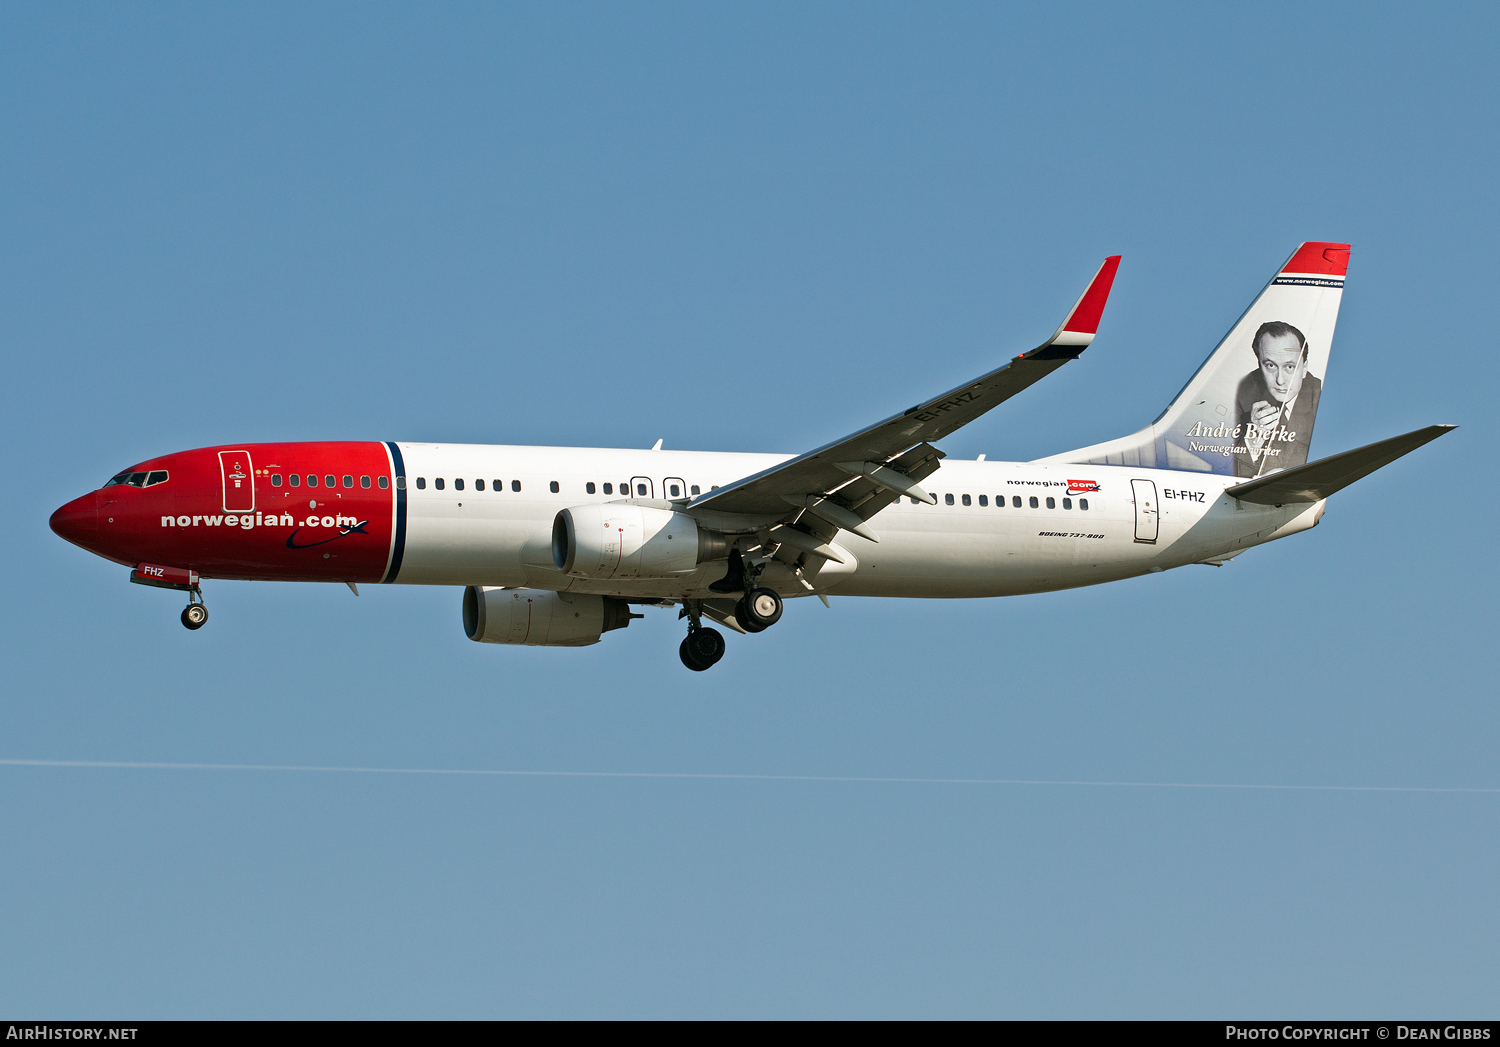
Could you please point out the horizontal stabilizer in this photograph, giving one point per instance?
(1317, 480)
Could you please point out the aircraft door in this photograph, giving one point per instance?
(239, 481)
(673, 488)
(642, 487)
(1147, 517)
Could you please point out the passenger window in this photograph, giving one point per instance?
(966, 500)
(1033, 500)
(693, 490)
(478, 485)
(640, 490)
(295, 479)
(515, 485)
(421, 483)
(364, 481)
(1016, 501)
(1083, 503)
(384, 482)
(1051, 503)
(438, 483)
(984, 499)
(400, 483)
(275, 479)
(609, 488)
(948, 498)
(913, 501)
(458, 484)
(589, 487)
(497, 485)
(348, 480)
(330, 480)
(160, 477)
(676, 491)
(553, 487)
(312, 479)
(1067, 503)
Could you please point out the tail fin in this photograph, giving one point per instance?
(1249, 410)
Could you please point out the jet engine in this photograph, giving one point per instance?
(620, 540)
(540, 617)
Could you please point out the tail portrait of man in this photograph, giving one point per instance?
(1275, 404)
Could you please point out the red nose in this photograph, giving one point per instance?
(78, 521)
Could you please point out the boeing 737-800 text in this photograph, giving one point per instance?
(555, 544)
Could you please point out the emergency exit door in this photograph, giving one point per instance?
(239, 481)
(1147, 517)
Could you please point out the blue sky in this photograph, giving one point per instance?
(745, 228)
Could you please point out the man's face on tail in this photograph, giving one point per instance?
(1282, 365)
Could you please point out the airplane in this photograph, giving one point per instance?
(555, 545)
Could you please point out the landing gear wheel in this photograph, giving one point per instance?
(701, 649)
(758, 609)
(194, 615)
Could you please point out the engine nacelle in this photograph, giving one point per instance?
(540, 617)
(620, 540)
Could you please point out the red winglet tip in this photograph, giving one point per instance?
(1319, 259)
(1090, 308)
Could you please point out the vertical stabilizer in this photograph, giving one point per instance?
(1249, 410)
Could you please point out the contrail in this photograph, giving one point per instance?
(683, 775)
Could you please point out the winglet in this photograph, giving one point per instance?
(1083, 322)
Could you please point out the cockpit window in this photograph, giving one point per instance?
(138, 478)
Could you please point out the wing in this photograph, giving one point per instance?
(846, 482)
(1317, 480)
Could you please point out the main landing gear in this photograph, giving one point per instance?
(195, 614)
(701, 648)
(758, 609)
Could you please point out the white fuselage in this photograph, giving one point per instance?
(503, 537)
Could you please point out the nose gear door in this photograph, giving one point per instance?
(1147, 518)
(239, 481)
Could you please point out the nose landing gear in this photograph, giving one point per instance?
(195, 614)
